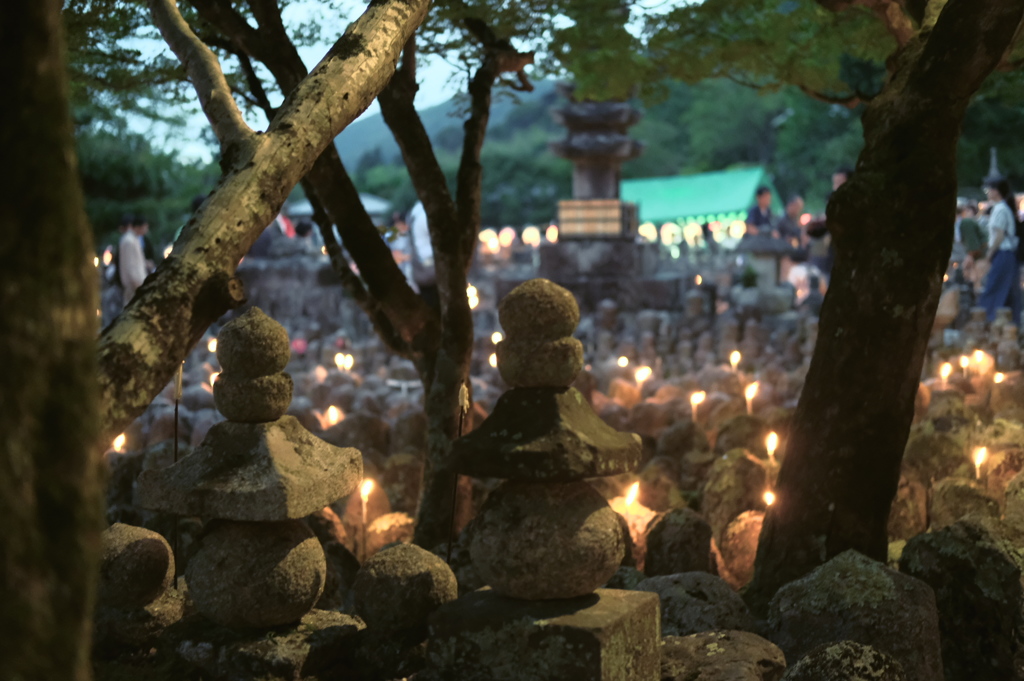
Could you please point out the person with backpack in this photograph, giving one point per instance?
(1005, 251)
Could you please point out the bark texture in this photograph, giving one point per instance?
(50, 489)
(892, 228)
(191, 289)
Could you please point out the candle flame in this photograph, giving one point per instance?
(980, 454)
(119, 442)
(506, 237)
(214, 376)
(751, 391)
(365, 488)
(486, 235)
(945, 370)
(212, 345)
(632, 493)
(643, 373)
(698, 397)
(496, 337)
(964, 361)
(323, 249)
(769, 497)
(108, 256)
(334, 415)
(493, 246)
(734, 359)
(320, 373)
(339, 361)
(167, 251)
(623, 362)
(531, 237)
(96, 261)
(771, 443)
(698, 280)
(551, 234)
(978, 356)
(999, 377)
(493, 361)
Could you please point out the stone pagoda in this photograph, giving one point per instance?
(253, 478)
(546, 540)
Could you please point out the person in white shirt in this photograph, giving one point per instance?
(1002, 285)
(423, 255)
(131, 263)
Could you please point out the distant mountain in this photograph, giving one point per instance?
(444, 124)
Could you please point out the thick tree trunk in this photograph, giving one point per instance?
(892, 227)
(50, 489)
(141, 350)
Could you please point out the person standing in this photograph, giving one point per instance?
(423, 256)
(131, 262)
(1002, 285)
(759, 218)
(788, 227)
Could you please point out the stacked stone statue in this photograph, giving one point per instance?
(254, 476)
(546, 539)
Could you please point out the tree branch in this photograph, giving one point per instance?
(141, 350)
(470, 175)
(891, 12)
(410, 326)
(207, 77)
(849, 101)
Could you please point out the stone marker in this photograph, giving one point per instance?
(721, 656)
(255, 477)
(846, 661)
(545, 539)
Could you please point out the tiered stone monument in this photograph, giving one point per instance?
(546, 540)
(254, 477)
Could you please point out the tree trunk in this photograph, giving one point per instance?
(891, 224)
(50, 489)
(454, 224)
(191, 289)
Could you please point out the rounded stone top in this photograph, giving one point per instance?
(253, 345)
(136, 568)
(539, 310)
(399, 587)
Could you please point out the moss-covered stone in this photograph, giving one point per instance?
(955, 498)
(540, 364)
(720, 656)
(736, 483)
(974, 567)
(539, 309)
(846, 661)
(852, 597)
(678, 541)
(610, 635)
(692, 602)
(545, 434)
(253, 400)
(252, 345)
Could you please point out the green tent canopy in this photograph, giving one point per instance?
(724, 195)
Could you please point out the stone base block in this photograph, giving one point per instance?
(321, 643)
(610, 635)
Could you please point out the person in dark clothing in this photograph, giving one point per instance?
(759, 218)
(788, 227)
(821, 251)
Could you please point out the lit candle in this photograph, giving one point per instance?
(698, 280)
(214, 376)
(339, 361)
(642, 374)
(980, 454)
(978, 356)
(334, 415)
(964, 363)
(496, 337)
(999, 377)
(623, 362)
(771, 443)
(696, 399)
(769, 498)
(212, 345)
(734, 359)
(750, 393)
(364, 494)
(945, 371)
(493, 360)
(119, 443)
